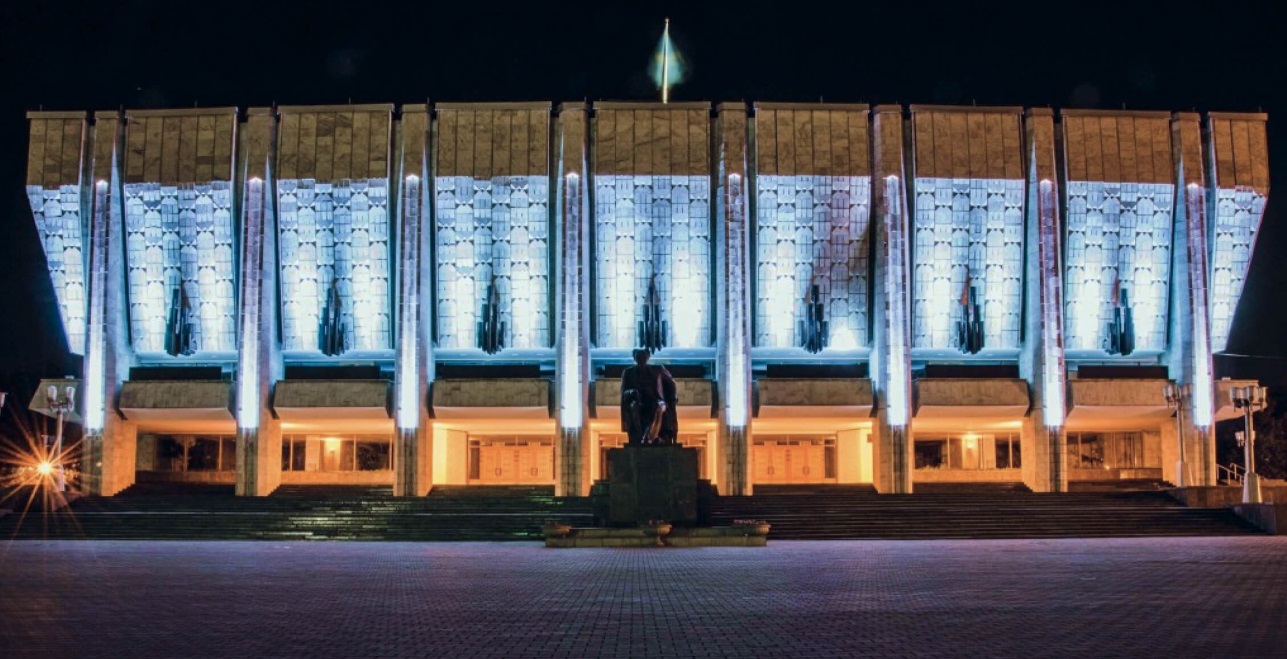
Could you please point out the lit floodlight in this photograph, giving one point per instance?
(45, 468)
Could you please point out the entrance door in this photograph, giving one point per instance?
(794, 460)
(512, 460)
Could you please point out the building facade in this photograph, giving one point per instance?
(446, 294)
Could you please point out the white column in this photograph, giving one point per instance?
(413, 361)
(571, 337)
(259, 362)
(733, 368)
(891, 351)
(109, 444)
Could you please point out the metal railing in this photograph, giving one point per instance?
(1232, 473)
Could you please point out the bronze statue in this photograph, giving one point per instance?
(648, 402)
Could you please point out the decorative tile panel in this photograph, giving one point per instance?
(648, 226)
(180, 236)
(493, 228)
(1233, 234)
(1118, 235)
(812, 230)
(974, 228)
(334, 232)
(57, 214)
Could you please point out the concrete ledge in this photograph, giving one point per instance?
(1224, 496)
(813, 397)
(375, 477)
(696, 398)
(155, 400)
(1116, 398)
(199, 477)
(1268, 517)
(309, 400)
(971, 397)
(967, 476)
(516, 398)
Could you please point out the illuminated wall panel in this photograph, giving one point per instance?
(1233, 233)
(497, 228)
(57, 214)
(180, 236)
(334, 231)
(974, 227)
(648, 226)
(812, 230)
(1117, 235)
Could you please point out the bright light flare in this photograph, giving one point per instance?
(45, 468)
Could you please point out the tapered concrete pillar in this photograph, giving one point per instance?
(572, 299)
(1189, 352)
(413, 362)
(733, 303)
(109, 441)
(891, 364)
(259, 363)
(1044, 461)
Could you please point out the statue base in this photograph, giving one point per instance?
(651, 483)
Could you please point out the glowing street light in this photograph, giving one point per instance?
(1177, 396)
(61, 404)
(1249, 400)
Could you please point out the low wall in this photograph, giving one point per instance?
(1224, 496)
(967, 476)
(201, 477)
(384, 477)
(1114, 474)
(1268, 517)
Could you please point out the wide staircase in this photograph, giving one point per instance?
(970, 511)
(313, 512)
(321, 512)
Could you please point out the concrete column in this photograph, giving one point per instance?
(1043, 439)
(259, 362)
(109, 445)
(1189, 352)
(572, 299)
(413, 361)
(891, 364)
(733, 303)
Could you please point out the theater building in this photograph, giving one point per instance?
(446, 294)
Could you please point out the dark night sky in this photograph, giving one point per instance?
(161, 53)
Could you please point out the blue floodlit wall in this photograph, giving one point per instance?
(180, 236)
(811, 230)
(646, 226)
(1118, 234)
(487, 229)
(57, 212)
(491, 213)
(1239, 173)
(968, 227)
(334, 232)
(1233, 234)
(54, 193)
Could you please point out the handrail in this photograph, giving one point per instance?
(1233, 473)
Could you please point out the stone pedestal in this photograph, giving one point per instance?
(651, 483)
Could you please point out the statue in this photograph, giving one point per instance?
(648, 402)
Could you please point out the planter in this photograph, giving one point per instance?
(657, 531)
(754, 529)
(556, 530)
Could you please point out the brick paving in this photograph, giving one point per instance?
(1190, 597)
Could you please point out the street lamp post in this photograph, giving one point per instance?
(61, 405)
(1177, 396)
(1249, 400)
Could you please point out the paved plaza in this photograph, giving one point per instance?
(1198, 597)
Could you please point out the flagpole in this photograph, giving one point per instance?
(665, 63)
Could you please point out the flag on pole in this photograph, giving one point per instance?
(667, 67)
